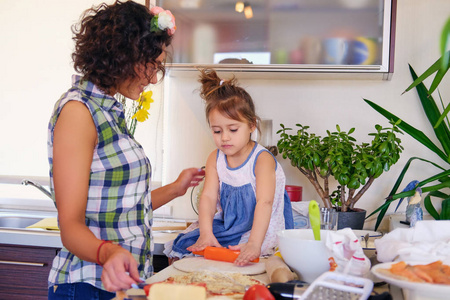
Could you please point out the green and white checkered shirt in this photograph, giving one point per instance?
(118, 206)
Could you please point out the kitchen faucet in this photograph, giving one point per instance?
(38, 186)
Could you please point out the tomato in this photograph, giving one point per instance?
(147, 289)
(258, 292)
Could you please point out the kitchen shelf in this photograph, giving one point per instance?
(286, 39)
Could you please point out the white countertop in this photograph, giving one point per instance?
(51, 238)
(30, 237)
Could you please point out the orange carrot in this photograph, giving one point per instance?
(221, 254)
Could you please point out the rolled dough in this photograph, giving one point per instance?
(192, 264)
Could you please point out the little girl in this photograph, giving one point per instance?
(243, 203)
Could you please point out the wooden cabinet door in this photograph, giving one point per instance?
(24, 271)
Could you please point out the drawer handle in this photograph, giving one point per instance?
(21, 263)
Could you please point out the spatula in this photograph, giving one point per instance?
(221, 254)
(314, 218)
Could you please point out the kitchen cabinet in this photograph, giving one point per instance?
(309, 38)
(24, 271)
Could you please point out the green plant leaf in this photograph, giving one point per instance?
(413, 132)
(433, 114)
(424, 190)
(442, 177)
(429, 207)
(445, 211)
(435, 67)
(440, 73)
(439, 194)
(393, 196)
(383, 208)
(445, 42)
(442, 117)
(428, 72)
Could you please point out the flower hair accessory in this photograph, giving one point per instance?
(162, 20)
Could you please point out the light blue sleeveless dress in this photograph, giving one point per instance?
(235, 210)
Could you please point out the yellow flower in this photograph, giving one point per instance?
(141, 115)
(144, 105)
(146, 99)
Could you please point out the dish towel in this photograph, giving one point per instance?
(300, 214)
(345, 247)
(428, 241)
(47, 224)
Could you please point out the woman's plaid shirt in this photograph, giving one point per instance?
(118, 205)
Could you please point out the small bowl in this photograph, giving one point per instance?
(307, 257)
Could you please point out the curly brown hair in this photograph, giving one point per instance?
(111, 40)
(227, 97)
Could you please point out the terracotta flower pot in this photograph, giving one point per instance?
(294, 192)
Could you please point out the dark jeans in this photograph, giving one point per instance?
(78, 291)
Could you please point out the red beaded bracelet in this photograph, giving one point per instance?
(98, 251)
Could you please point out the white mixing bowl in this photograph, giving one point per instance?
(304, 255)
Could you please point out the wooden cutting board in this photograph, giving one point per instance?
(192, 264)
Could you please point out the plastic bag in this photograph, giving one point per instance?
(347, 252)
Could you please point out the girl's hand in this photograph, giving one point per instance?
(120, 269)
(249, 252)
(203, 242)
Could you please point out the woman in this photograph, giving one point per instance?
(100, 175)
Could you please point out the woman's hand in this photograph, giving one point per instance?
(203, 242)
(120, 269)
(188, 178)
(249, 252)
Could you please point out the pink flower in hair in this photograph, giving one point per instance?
(156, 10)
(162, 20)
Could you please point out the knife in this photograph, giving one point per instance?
(221, 254)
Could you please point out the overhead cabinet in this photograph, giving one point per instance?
(309, 37)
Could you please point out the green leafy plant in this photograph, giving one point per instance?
(354, 166)
(437, 184)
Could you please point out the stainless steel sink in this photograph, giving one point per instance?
(21, 219)
(17, 221)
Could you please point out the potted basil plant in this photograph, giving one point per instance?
(353, 166)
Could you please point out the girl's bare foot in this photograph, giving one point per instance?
(173, 259)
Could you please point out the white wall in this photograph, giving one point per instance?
(36, 68)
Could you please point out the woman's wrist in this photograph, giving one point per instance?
(102, 252)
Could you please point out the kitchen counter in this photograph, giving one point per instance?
(163, 231)
(27, 236)
(30, 237)
(52, 239)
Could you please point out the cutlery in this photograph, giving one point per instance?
(366, 239)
